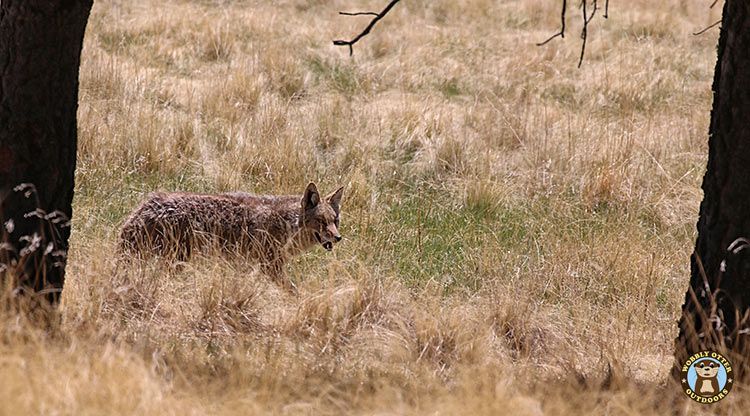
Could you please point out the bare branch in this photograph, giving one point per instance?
(587, 18)
(711, 26)
(378, 16)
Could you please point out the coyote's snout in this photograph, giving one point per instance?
(267, 228)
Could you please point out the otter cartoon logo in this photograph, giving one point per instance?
(707, 377)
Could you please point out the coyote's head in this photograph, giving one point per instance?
(321, 216)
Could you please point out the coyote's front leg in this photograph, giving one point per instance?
(275, 270)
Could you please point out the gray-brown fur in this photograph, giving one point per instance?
(266, 228)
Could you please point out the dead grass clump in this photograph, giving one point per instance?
(133, 295)
(232, 98)
(437, 342)
(101, 77)
(524, 340)
(228, 311)
(283, 74)
(333, 315)
(603, 189)
(217, 46)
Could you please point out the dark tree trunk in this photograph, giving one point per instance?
(717, 303)
(40, 49)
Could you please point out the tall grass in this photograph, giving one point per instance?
(517, 231)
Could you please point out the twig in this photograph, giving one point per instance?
(358, 13)
(585, 30)
(561, 33)
(713, 25)
(378, 16)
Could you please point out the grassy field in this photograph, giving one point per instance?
(516, 230)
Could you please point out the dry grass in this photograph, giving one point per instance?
(513, 226)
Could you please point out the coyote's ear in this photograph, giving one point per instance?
(335, 199)
(311, 198)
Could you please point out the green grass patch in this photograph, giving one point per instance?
(430, 238)
(450, 88)
(340, 77)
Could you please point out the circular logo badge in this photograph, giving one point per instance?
(707, 377)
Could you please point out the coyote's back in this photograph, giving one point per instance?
(176, 224)
(264, 227)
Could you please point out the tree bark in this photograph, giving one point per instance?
(717, 302)
(40, 49)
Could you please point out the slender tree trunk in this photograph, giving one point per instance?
(718, 300)
(40, 49)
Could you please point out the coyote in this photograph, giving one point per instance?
(266, 228)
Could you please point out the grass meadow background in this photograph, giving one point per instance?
(517, 230)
